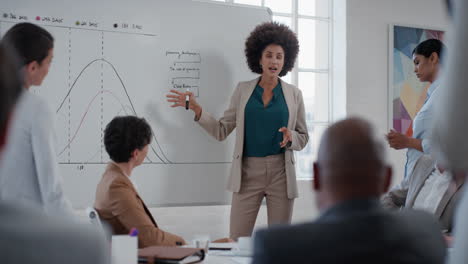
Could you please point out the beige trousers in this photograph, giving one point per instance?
(261, 177)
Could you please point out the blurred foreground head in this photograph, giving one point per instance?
(350, 164)
(450, 128)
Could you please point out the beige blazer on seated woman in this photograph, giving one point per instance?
(234, 117)
(119, 204)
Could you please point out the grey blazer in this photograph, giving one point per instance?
(234, 117)
(405, 196)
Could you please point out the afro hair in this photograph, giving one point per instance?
(271, 33)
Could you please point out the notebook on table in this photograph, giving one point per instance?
(163, 255)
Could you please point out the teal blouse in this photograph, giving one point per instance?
(262, 137)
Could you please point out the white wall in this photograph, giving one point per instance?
(367, 55)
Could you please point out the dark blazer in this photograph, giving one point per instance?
(405, 194)
(357, 231)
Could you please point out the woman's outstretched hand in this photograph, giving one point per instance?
(180, 99)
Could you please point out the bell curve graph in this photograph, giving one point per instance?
(98, 73)
(126, 108)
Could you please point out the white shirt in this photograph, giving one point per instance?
(28, 164)
(422, 128)
(432, 191)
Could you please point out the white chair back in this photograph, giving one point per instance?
(93, 217)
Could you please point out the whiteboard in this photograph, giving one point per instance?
(122, 57)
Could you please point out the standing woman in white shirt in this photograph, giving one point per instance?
(426, 58)
(28, 167)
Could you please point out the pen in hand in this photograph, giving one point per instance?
(187, 100)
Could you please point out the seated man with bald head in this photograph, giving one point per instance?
(350, 175)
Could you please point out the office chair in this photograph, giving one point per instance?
(94, 217)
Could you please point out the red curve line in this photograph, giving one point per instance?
(86, 113)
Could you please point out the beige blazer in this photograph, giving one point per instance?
(406, 196)
(234, 117)
(118, 203)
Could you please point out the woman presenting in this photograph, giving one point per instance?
(270, 119)
(426, 58)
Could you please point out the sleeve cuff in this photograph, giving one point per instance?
(426, 146)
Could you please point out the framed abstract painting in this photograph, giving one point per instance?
(405, 92)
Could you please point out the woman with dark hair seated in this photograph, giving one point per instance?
(28, 169)
(270, 119)
(127, 139)
(28, 234)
